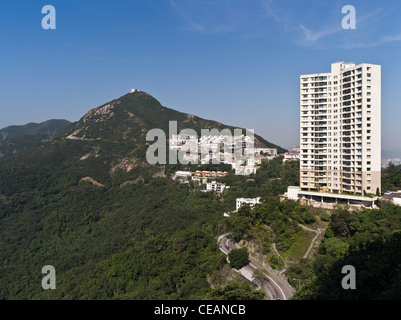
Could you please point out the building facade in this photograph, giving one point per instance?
(215, 186)
(250, 201)
(340, 136)
(394, 197)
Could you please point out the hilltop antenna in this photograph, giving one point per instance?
(5, 135)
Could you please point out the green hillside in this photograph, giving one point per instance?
(18, 139)
(36, 128)
(137, 235)
(129, 117)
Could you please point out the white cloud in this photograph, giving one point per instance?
(190, 22)
(371, 44)
(310, 38)
(313, 38)
(270, 11)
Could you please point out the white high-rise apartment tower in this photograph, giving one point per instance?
(341, 129)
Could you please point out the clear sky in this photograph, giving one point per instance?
(235, 61)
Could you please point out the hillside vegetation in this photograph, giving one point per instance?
(115, 227)
(18, 139)
(134, 234)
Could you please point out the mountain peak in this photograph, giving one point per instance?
(131, 116)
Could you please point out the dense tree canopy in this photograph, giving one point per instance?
(238, 257)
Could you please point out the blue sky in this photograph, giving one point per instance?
(235, 61)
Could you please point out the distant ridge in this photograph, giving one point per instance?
(35, 128)
(16, 139)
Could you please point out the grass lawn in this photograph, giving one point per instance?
(300, 246)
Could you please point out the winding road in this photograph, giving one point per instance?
(276, 287)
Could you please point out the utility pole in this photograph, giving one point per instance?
(96, 149)
(5, 135)
(51, 134)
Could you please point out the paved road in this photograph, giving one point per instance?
(276, 287)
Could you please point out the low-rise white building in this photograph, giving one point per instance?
(216, 186)
(210, 174)
(271, 152)
(290, 156)
(327, 200)
(182, 174)
(394, 197)
(245, 170)
(250, 201)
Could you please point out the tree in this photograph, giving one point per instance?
(340, 223)
(325, 217)
(234, 291)
(238, 257)
(258, 276)
(334, 247)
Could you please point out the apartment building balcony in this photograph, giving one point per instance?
(321, 158)
(347, 85)
(348, 97)
(348, 188)
(348, 109)
(321, 134)
(348, 133)
(306, 168)
(348, 175)
(348, 91)
(351, 163)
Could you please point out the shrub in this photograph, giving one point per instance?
(325, 217)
